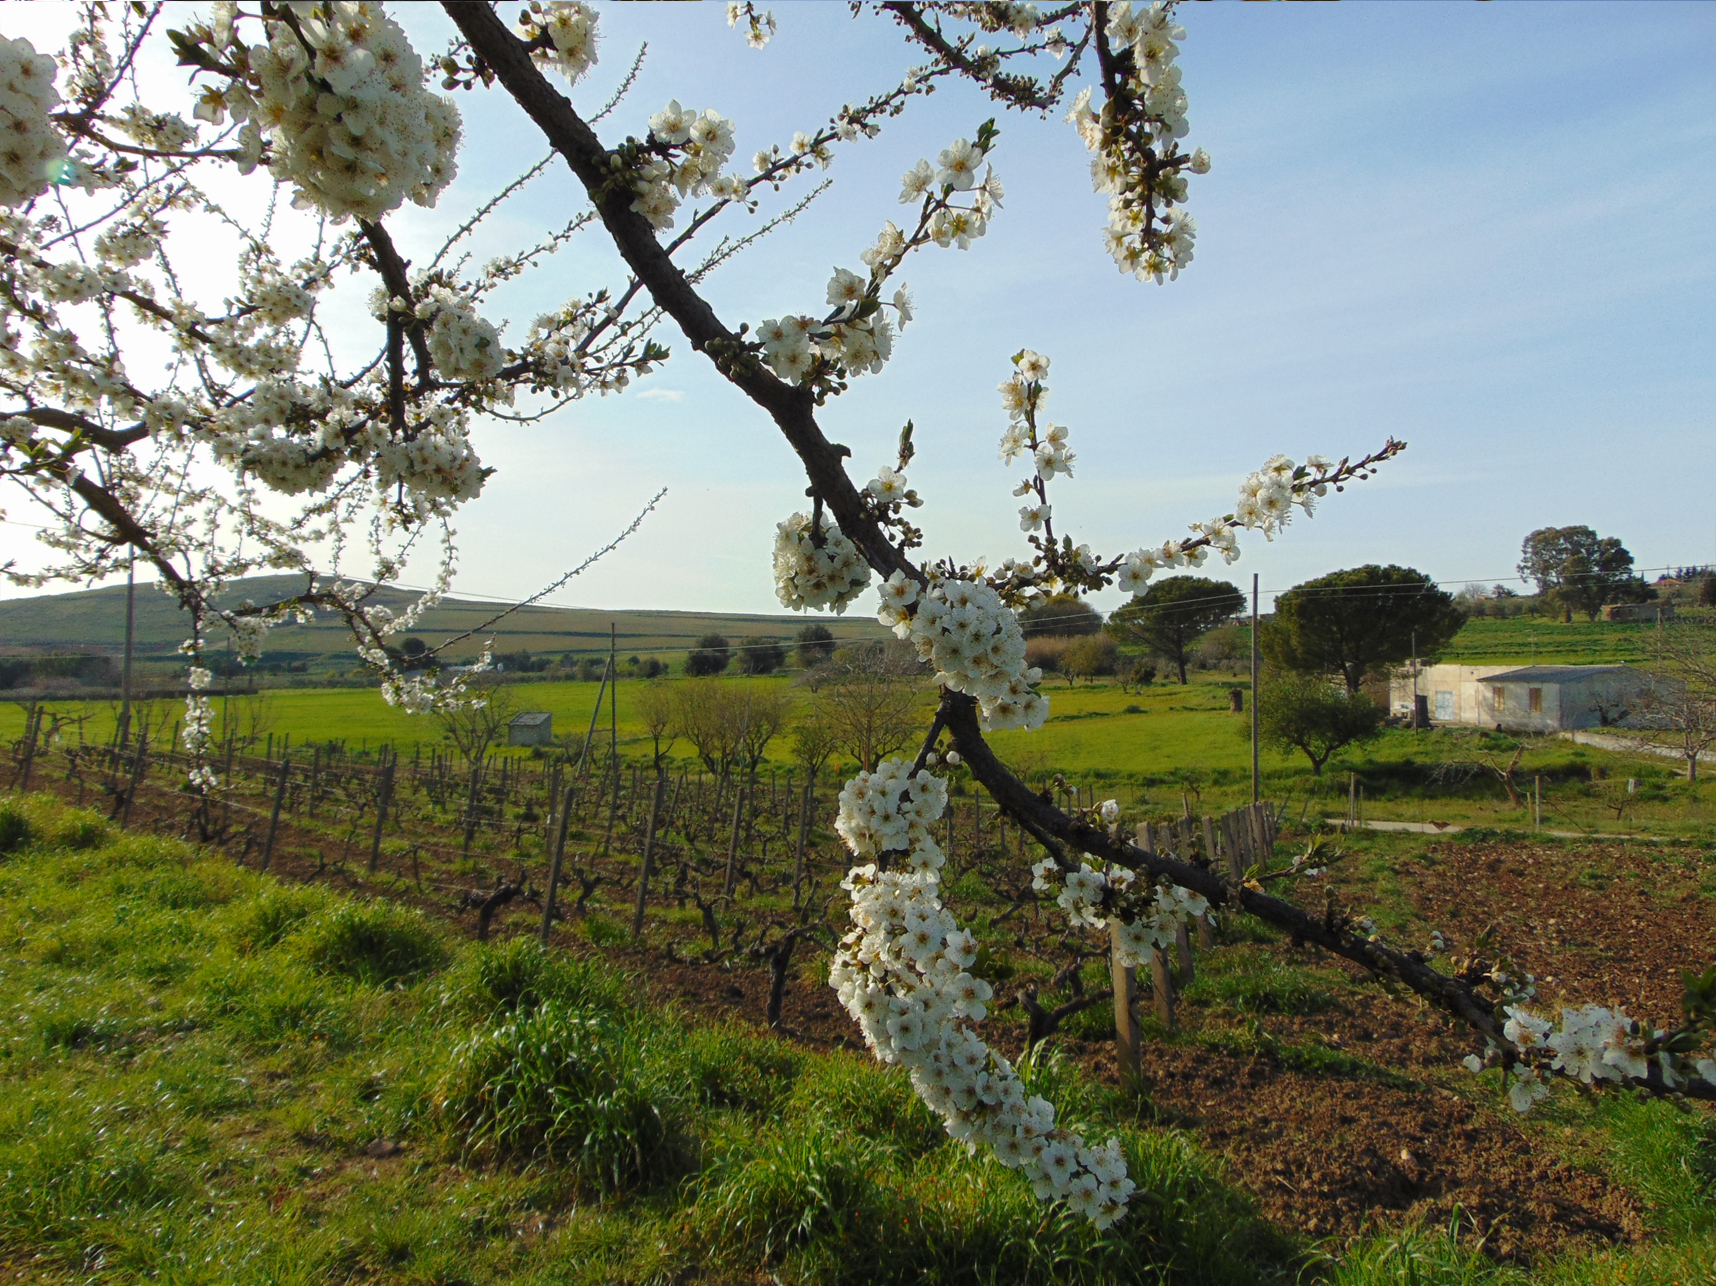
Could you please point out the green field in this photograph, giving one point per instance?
(1165, 747)
(1543, 640)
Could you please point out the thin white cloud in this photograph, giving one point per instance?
(661, 395)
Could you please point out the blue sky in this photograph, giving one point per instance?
(1485, 229)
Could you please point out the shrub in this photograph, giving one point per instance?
(710, 656)
(566, 1085)
(815, 644)
(373, 942)
(518, 976)
(729, 1068)
(761, 656)
(270, 918)
(15, 829)
(802, 1186)
(1087, 657)
(1046, 653)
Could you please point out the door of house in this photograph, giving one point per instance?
(1444, 704)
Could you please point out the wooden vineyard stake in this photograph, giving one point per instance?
(1162, 984)
(1183, 943)
(1128, 1040)
(274, 817)
(558, 846)
(733, 844)
(471, 804)
(138, 759)
(808, 803)
(648, 857)
(383, 799)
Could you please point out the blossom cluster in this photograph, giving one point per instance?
(32, 151)
(569, 28)
(892, 810)
(956, 170)
(1153, 926)
(463, 346)
(1267, 497)
(340, 92)
(816, 570)
(856, 336)
(1138, 165)
(1591, 1043)
(851, 339)
(695, 146)
(903, 973)
(974, 641)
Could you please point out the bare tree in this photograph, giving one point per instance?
(760, 711)
(655, 707)
(1681, 695)
(476, 725)
(700, 712)
(872, 698)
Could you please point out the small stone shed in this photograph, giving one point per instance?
(1530, 698)
(532, 728)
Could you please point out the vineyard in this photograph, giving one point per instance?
(718, 892)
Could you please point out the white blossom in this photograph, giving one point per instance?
(32, 151)
(903, 973)
(824, 573)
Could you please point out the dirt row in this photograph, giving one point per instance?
(1379, 1125)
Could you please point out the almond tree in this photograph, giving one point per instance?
(329, 104)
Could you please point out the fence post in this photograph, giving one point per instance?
(471, 803)
(648, 855)
(733, 844)
(32, 724)
(809, 802)
(1128, 1040)
(381, 803)
(274, 817)
(1230, 841)
(554, 860)
(138, 760)
(1163, 986)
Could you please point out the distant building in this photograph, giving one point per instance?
(1657, 612)
(1532, 698)
(532, 728)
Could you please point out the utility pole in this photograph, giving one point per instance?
(1415, 725)
(1256, 791)
(125, 673)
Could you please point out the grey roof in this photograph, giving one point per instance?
(529, 719)
(1553, 673)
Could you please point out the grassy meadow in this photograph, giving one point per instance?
(208, 1076)
(1164, 746)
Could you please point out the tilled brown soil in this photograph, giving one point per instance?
(1396, 1131)
(1400, 1132)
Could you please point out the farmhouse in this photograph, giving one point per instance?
(532, 728)
(1532, 698)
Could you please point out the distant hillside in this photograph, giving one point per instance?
(1543, 640)
(95, 619)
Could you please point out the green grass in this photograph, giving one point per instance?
(1545, 640)
(205, 1076)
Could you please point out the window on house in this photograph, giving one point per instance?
(1498, 698)
(1444, 704)
(1534, 700)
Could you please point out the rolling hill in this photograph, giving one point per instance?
(94, 620)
